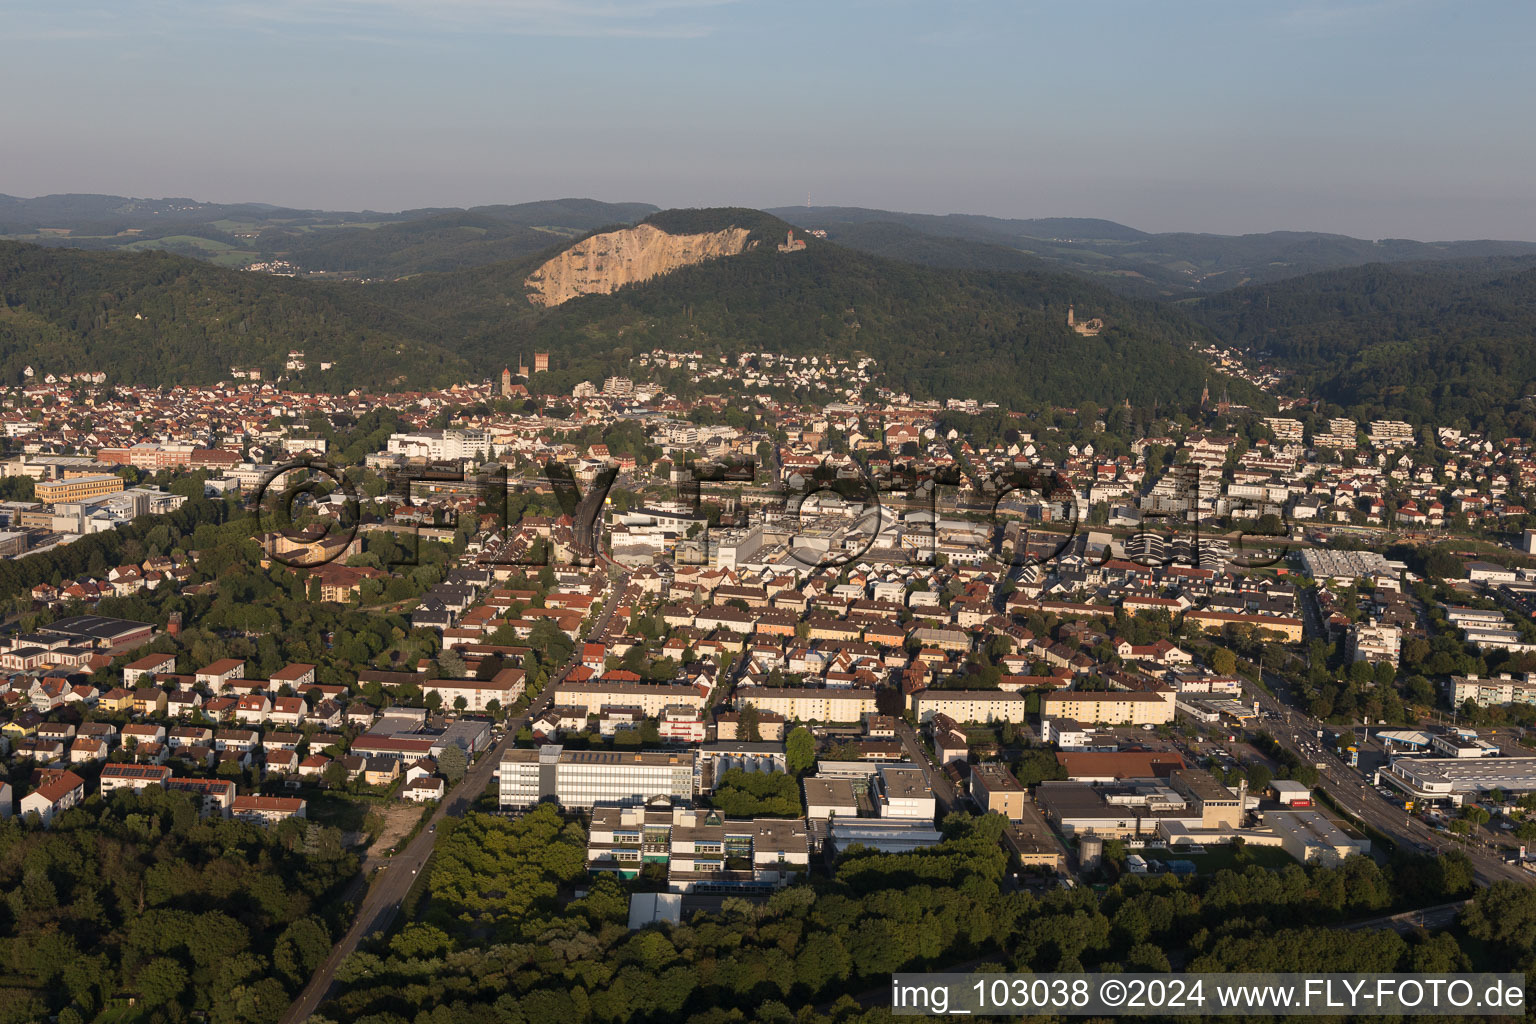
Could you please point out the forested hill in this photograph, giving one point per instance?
(154, 318)
(1433, 342)
(999, 336)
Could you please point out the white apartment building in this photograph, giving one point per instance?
(1374, 643)
(506, 688)
(810, 705)
(651, 699)
(441, 445)
(970, 705)
(1109, 707)
(1501, 689)
(591, 778)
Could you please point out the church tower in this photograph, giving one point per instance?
(506, 381)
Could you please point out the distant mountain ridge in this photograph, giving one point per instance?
(359, 244)
(373, 245)
(1130, 261)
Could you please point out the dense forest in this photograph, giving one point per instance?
(134, 897)
(154, 318)
(447, 241)
(497, 937)
(1442, 344)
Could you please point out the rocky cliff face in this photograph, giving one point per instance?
(603, 263)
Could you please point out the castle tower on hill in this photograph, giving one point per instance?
(1088, 328)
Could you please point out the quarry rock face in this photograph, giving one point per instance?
(604, 263)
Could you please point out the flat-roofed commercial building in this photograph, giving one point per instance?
(902, 791)
(1311, 838)
(893, 835)
(1110, 707)
(1115, 811)
(588, 778)
(1458, 779)
(970, 705)
(1119, 765)
(1217, 805)
(99, 631)
(1033, 846)
(830, 798)
(80, 488)
(994, 788)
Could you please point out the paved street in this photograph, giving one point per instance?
(943, 791)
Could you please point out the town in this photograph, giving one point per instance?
(741, 619)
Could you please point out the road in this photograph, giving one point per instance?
(1351, 791)
(395, 878)
(1411, 920)
(943, 791)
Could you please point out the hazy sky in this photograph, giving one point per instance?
(1405, 118)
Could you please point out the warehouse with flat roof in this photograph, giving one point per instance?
(1459, 779)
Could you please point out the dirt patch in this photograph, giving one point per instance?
(399, 817)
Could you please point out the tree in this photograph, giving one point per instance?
(452, 763)
(1036, 766)
(800, 751)
(749, 726)
(161, 981)
(300, 949)
(1223, 662)
(334, 775)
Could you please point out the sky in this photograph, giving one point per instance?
(1375, 118)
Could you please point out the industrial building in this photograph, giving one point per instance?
(1311, 838)
(885, 835)
(1456, 780)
